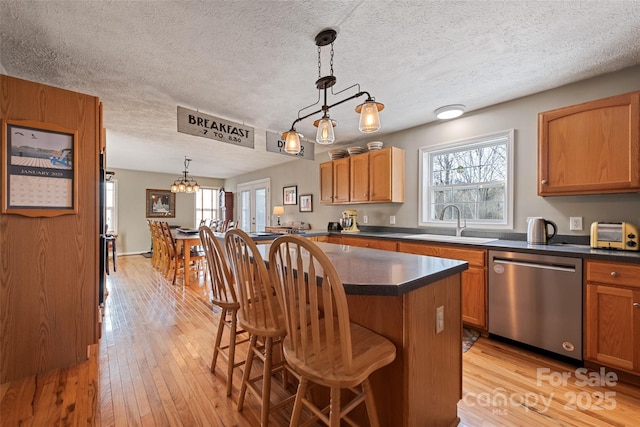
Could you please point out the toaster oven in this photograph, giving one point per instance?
(614, 235)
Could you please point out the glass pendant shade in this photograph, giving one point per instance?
(291, 142)
(325, 134)
(174, 188)
(181, 187)
(369, 117)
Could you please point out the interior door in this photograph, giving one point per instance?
(253, 205)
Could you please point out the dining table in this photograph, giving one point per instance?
(184, 242)
(415, 302)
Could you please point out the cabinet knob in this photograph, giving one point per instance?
(544, 182)
(636, 304)
(614, 274)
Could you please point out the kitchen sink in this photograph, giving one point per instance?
(452, 239)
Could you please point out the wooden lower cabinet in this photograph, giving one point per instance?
(612, 315)
(372, 243)
(318, 238)
(474, 280)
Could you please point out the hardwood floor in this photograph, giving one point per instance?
(151, 368)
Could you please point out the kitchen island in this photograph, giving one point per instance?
(397, 295)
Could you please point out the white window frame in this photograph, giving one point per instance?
(114, 204)
(215, 209)
(424, 198)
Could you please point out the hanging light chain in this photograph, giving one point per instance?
(331, 61)
(319, 64)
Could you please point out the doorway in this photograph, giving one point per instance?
(253, 205)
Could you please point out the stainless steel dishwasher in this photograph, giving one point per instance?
(537, 300)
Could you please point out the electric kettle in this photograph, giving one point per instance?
(538, 231)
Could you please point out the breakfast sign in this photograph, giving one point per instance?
(199, 124)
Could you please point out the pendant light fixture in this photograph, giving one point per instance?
(184, 183)
(368, 110)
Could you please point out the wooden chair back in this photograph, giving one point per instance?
(259, 314)
(222, 287)
(301, 272)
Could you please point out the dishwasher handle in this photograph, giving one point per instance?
(555, 267)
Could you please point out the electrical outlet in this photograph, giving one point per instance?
(365, 219)
(439, 319)
(575, 223)
(392, 219)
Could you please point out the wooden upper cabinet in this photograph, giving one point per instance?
(359, 177)
(373, 177)
(590, 148)
(326, 183)
(341, 170)
(386, 175)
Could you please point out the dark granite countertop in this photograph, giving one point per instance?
(558, 246)
(366, 271)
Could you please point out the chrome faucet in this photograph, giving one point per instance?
(459, 228)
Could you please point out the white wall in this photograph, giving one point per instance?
(133, 231)
(521, 115)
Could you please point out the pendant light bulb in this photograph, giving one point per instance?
(291, 141)
(369, 117)
(325, 134)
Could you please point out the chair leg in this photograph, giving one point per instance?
(297, 405)
(334, 408)
(370, 403)
(216, 347)
(266, 382)
(247, 371)
(231, 360)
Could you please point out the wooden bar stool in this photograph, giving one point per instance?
(322, 345)
(223, 295)
(260, 315)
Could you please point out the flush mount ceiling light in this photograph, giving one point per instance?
(184, 183)
(368, 110)
(450, 111)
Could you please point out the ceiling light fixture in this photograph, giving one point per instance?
(184, 183)
(450, 111)
(368, 110)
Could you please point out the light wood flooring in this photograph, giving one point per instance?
(151, 368)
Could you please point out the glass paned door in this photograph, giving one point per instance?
(253, 199)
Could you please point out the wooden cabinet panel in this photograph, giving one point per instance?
(372, 243)
(319, 238)
(359, 178)
(474, 280)
(373, 177)
(50, 270)
(590, 148)
(335, 238)
(613, 327)
(341, 178)
(326, 183)
(386, 177)
(613, 273)
(612, 315)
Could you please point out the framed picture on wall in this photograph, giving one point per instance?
(290, 195)
(39, 169)
(161, 204)
(306, 203)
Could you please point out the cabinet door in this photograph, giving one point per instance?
(474, 297)
(613, 326)
(590, 148)
(341, 180)
(380, 177)
(326, 183)
(359, 177)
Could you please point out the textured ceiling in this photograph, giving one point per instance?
(255, 62)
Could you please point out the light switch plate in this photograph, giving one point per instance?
(392, 219)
